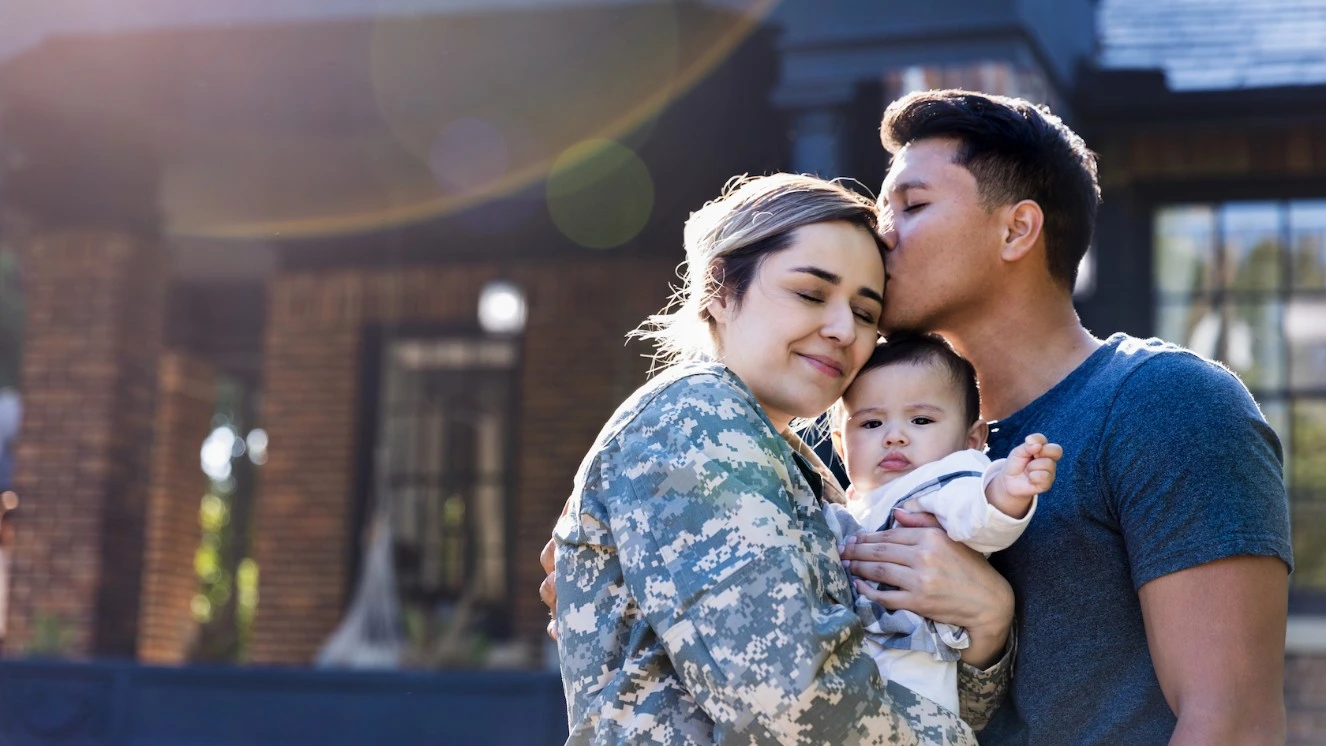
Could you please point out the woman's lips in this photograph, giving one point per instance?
(827, 366)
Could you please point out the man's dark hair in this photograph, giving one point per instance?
(917, 348)
(1016, 150)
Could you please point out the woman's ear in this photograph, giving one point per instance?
(1023, 230)
(720, 307)
(836, 436)
(977, 435)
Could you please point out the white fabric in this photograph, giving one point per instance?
(960, 504)
(953, 490)
(919, 671)
(370, 635)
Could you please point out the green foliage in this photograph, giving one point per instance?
(52, 636)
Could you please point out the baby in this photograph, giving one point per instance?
(909, 431)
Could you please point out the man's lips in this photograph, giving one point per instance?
(825, 365)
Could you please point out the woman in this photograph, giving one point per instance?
(699, 596)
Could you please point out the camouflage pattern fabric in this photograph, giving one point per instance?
(700, 596)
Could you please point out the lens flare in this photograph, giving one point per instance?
(600, 194)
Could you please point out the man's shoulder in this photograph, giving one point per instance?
(1159, 368)
(1137, 366)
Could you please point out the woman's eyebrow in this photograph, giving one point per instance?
(833, 279)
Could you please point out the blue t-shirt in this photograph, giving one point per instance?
(1167, 464)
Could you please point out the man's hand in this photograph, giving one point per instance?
(1028, 471)
(548, 588)
(935, 577)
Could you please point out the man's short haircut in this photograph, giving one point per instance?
(1016, 150)
(932, 350)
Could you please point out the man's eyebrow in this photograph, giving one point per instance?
(833, 279)
(907, 186)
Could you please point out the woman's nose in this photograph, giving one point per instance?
(840, 325)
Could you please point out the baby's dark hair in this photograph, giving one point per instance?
(915, 348)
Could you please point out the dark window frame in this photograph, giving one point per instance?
(373, 346)
(1217, 196)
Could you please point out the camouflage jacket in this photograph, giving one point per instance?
(700, 596)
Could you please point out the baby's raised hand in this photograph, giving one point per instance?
(1028, 472)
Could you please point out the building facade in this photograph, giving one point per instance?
(306, 212)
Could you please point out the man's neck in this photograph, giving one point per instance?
(1022, 351)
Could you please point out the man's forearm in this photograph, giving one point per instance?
(1262, 723)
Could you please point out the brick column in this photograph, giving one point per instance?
(575, 371)
(186, 399)
(1305, 698)
(95, 305)
(310, 411)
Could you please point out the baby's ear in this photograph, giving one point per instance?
(976, 436)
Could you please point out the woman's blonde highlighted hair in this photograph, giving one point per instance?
(728, 239)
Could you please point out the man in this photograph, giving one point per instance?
(1152, 585)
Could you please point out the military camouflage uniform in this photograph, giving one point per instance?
(700, 596)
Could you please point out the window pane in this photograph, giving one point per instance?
(1308, 476)
(444, 424)
(1309, 532)
(1307, 225)
(1305, 326)
(1307, 485)
(1185, 250)
(1193, 325)
(1255, 345)
(1253, 252)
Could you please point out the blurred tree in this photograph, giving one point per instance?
(227, 597)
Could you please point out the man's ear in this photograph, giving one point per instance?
(977, 434)
(1023, 228)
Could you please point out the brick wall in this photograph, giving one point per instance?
(575, 372)
(1305, 699)
(94, 311)
(185, 404)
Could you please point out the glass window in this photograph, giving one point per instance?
(1251, 238)
(1245, 283)
(442, 476)
(1307, 227)
(1186, 265)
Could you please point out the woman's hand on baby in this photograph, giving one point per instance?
(935, 577)
(548, 588)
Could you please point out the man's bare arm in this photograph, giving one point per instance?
(1216, 633)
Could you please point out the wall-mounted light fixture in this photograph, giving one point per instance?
(502, 308)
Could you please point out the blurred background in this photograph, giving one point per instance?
(309, 309)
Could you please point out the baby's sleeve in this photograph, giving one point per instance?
(957, 499)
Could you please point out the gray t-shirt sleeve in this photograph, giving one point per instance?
(1193, 473)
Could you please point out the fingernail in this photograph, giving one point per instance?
(851, 540)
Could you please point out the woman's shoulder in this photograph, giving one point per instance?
(704, 395)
